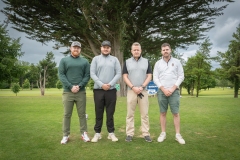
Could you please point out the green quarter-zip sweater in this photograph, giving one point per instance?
(74, 71)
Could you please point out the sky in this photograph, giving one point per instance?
(220, 36)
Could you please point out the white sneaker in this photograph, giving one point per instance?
(96, 137)
(112, 137)
(161, 137)
(180, 139)
(85, 137)
(64, 139)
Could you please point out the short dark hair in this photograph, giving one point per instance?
(165, 45)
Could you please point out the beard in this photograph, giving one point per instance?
(75, 53)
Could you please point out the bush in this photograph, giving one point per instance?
(15, 88)
(90, 84)
(59, 84)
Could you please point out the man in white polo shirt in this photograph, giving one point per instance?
(168, 75)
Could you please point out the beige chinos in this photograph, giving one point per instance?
(132, 101)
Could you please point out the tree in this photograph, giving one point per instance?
(15, 88)
(19, 71)
(208, 81)
(10, 51)
(32, 75)
(220, 77)
(26, 84)
(52, 78)
(199, 66)
(150, 22)
(230, 61)
(45, 69)
(4, 85)
(59, 84)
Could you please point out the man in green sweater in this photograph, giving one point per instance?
(74, 73)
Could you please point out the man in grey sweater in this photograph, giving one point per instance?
(105, 71)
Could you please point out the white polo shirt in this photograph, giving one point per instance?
(168, 74)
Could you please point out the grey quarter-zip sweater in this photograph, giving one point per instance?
(105, 70)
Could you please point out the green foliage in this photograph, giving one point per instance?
(221, 80)
(20, 70)
(122, 22)
(26, 84)
(47, 72)
(32, 75)
(198, 69)
(90, 84)
(230, 61)
(15, 88)
(4, 85)
(10, 51)
(59, 84)
(208, 82)
(52, 78)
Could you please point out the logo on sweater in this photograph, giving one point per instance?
(172, 64)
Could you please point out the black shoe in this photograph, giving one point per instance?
(148, 139)
(128, 139)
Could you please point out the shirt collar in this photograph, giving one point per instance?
(138, 58)
(73, 57)
(104, 55)
(168, 60)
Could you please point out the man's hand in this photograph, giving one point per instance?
(168, 92)
(106, 87)
(173, 89)
(75, 89)
(137, 90)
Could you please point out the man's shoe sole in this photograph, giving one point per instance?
(97, 140)
(85, 140)
(128, 140)
(147, 140)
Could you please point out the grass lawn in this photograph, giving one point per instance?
(31, 128)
